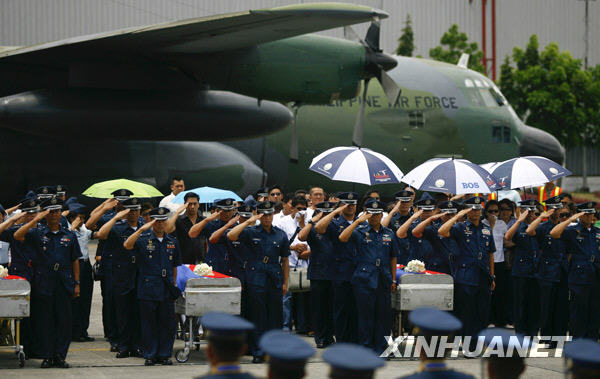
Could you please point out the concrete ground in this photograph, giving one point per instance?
(94, 360)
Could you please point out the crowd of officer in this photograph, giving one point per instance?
(350, 246)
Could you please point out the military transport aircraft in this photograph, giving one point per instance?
(120, 104)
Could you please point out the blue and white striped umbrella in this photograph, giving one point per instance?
(356, 165)
(527, 172)
(448, 175)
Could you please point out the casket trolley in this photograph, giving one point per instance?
(204, 295)
(421, 290)
(14, 305)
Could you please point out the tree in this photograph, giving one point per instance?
(454, 43)
(406, 44)
(551, 91)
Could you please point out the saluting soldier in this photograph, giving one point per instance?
(157, 256)
(552, 270)
(582, 241)
(226, 336)
(474, 267)
(401, 212)
(372, 280)
(525, 285)
(419, 248)
(321, 270)
(46, 193)
(267, 271)
(124, 271)
(55, 280)
(345, 311)
(217, 249)
(444, 249)
(98, 217)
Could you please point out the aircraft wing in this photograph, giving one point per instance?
(199, 35)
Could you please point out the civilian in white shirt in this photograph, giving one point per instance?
(316, 195)
(499, 228)
(177, 186)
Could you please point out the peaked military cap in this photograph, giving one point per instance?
(263, 191)
(475, 202)
(45, 192)
(426, 202)
(160, 213)
(52, 204)
(403, 195)
(60, 190)
(122, 194)
(449, 206)
(348, 197)
(70, 200)
(584, 353)
(29, 205)
(225, 325)
(265, 207)
(225, 204)
(30, 194)
(285, 347)
(373, 206)
(587, 207)
(325, 206)
(554, 202)
(76, 208)
(132, 203)
(529, 204)
(501, 339)
(432, 321)
(246, 210)
(347, 357)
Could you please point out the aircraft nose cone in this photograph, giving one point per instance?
(535, 141)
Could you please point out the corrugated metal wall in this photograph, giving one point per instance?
(574, 160)
(24, 22)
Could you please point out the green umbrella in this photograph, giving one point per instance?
(103, 190)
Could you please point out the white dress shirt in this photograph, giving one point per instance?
(167, 202)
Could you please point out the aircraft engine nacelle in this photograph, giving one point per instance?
(308, 69)
(188, 115)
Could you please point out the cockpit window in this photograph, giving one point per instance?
(468, 83)
(488, 98)
(478, 83)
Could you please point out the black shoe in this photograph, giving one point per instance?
(165, 361)
(258, 359)
(60, 363)
(46, 363)
(149, 362)
(87, 338)
(136, 353)
(122, 354)
(113, 348)
(77, 339)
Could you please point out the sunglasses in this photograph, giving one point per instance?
(537, 213)
(493, 211)
(275, 193)
(563, 215)
(301, 208)
(506, 209)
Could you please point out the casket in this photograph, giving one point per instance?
(14, 298)
(203, 295)
(424, 290)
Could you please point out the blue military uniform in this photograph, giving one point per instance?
(217, 252)
(397, 221)
(421, 248)
(344, 255)
(124, 277)
(349, 361)
(53, 285)
(156, 259)
(525, 284)
(552, 276)
(372, 280)
(472, 278)
(444, 249)
(434, 322)
(584, 276)
(321, 270)
(265, 276)
(222, 327)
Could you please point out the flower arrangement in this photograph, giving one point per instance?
(203, 270)
(415, 266)
(3, 272)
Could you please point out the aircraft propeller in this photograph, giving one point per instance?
(376, 66)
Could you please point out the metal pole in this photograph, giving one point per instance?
(586, 44)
